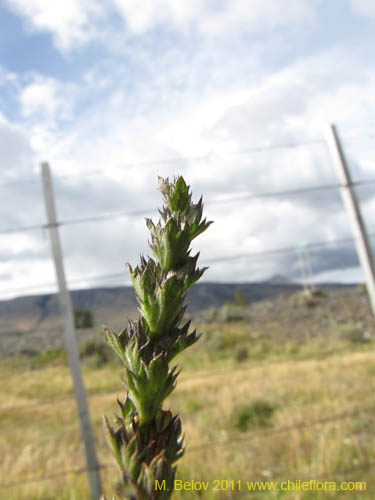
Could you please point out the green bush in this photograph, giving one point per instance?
(354, 334)
(210, 315)
(241, 354)
(48, 356)
(230, 313)
(227, 313)
(192, 405)
(256, 414)
(83, 318)
(96, 353)
(239, 298)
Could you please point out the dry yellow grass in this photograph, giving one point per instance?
(39, 440)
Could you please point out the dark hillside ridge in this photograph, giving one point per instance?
(112, 306)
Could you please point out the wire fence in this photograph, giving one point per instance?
(69, 398)
(281, 430)
(315, 245)
(230, 443)
(103, 217)
(177, 160)
(145, 211)
(168, 161)
(211, 445)
(277, 251)
(44, 340)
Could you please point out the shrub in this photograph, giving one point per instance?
(192, 405)
(239, 298)
(241, 354)
(230, 313)
(48, 356)
(83, 318)
(96, 353)
(210, 315)
(354, 334)
(256, 414)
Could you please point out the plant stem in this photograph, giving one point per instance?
(146, 440)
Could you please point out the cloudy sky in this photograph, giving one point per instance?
(235, 95)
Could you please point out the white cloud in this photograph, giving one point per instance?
(188, 99)
(47, 106)
(365, 8)
(7, 77)
(16, 152)
(40, 97)
(291, 105)
(71, 22)
(297, 102)
(214, 17)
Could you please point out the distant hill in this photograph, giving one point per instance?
(113, 306)
(278, 279)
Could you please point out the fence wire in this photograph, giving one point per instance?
(184, 379)
(209, 445)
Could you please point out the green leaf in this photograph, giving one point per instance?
(113, 440)
(114, 342)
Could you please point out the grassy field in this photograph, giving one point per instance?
(254, 407)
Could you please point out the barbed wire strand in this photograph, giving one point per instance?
(55, 435)
(166, 161)
(37, 178)
(253, 255)
(145, 211)
(105, 466)
(184, 379)
(280, 430)
(205, 157)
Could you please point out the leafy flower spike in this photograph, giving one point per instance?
(146, 440)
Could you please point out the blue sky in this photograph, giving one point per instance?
(137, 89)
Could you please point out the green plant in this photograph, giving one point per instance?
(354, 334)
(239, 298)
(210, 315)
(48, 356)
(241, 354)
(229, 313)
(95, 352)
(146, 439)
(83, 318)
(256, 414)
